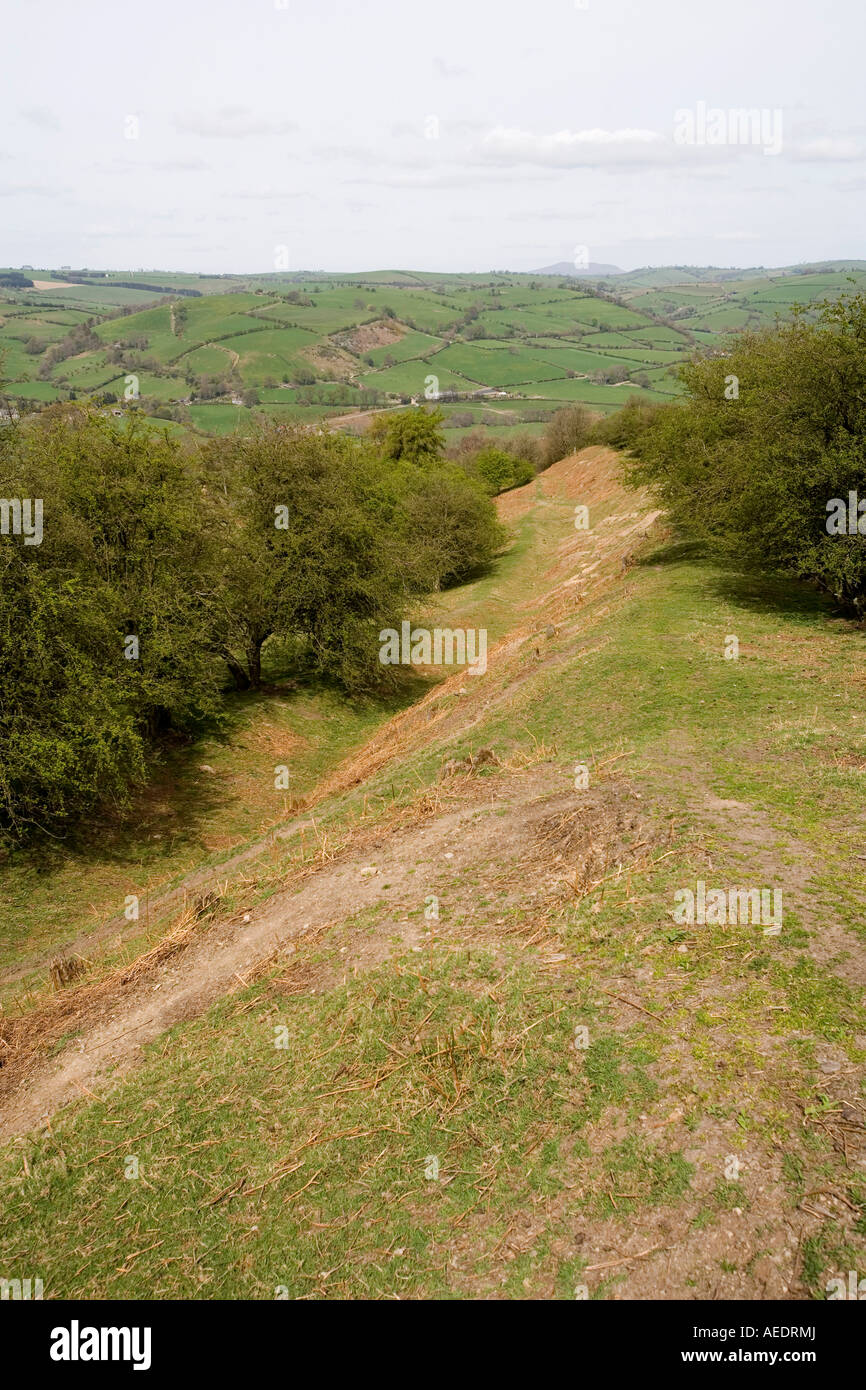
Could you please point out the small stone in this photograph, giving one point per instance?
(368, 871)
(829, 1067)
(206, 767)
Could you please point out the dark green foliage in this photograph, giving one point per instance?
(160, 567)
(498, 469)
(123, 555)
(412, 435)
(459, 526)
(766, 438)
(314, 548)
(623, 428)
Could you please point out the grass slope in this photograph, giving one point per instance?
(386, 1103)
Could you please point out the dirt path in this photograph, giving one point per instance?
(156, 905)
(408, 864)
(108, 1036)
(574, 565)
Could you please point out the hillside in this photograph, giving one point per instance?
(499, 351)
(311, 1054)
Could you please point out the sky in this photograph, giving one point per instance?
(255, 135)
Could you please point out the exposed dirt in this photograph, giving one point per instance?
(370, 335)
(111, 1024)
(330, 363)
(529, 832)
(185, 983)
(588, 563)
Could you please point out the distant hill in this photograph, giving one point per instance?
(569, 268)
(208, 352)
(659, 276)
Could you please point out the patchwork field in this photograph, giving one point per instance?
(207, 352)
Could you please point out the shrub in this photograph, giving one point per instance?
(569, 430)
(766, 438)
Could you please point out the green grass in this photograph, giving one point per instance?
(219, 417)
(34, 390)
(537, 330)
(304, 1168)
(186, 818)
(411, 345)
(369, 1221)
(410, 378)
(493, 364)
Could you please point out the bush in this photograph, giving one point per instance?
(412, 435)
(623, 428)
(767, 437)
(527, 448)
(570, 429)
(456, 522)
(496, 470)
(202, 556)
(123, 554)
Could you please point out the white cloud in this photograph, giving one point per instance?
(447, 177)
(573, 149)
(829, 149)
(179, 166)
(232, 123)
(446, 69)
(25, 190)
(41, 116)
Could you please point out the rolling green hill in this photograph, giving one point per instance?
(208, 351)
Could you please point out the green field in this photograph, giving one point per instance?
(377, 338)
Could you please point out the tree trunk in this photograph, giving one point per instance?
(239, 675)
(254, 661)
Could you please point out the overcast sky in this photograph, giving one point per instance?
(455, 135)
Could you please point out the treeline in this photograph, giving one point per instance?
(165, 569)
(515, 460)
(80, 338)
(764, 458)
(126, 285)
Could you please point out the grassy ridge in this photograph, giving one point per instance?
(306, 1169)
